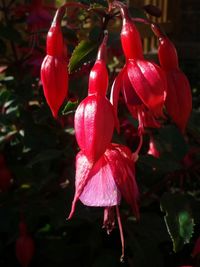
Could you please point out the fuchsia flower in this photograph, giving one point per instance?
(179, 98)
(54, 74)
(94, 117)
(24, 246)
(104, 183)
(104, 171)
(141, 82)
(111, 177)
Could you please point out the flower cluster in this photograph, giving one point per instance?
(105, 171)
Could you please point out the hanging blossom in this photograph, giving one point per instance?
(105, 172)
(179, 98)
(142, 82)
(54, 74)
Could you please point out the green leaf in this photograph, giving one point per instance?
(85, 51)
(69, 107)
(178, 218)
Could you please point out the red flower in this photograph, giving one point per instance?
(179, 98)
(54, 73)
(111, 177)
(94, 117)
(142, 82)
(24, 246)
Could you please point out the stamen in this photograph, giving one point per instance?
(109, 219)
(121, 233)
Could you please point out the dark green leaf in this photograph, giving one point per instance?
(69, 107)
(179, 219)
(85, 51)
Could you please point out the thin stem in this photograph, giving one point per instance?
(121, 233)
(123, 9)
(102, 49)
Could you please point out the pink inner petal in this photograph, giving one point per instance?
(101, 190)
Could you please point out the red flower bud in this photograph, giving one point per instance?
(24, 246)
(131, 41)
(94, 124)
(54, 73)
(179, 98)
(94, 117)
(143, 83)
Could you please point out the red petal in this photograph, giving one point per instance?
(131, 40)
(101, 190)
(149, 84)
(123, 169)
(94, 124)
(130, 96)
(167, 54)
(179, 98)
(54, 78)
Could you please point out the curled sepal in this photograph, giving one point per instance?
(55, 42)
(98, 80)
(149, 83)
(54, 78)
(94, 124)
(123, 168)
(101, 189)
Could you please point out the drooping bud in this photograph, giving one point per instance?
(179, 98)
(98, 80)
(94, 117)
(94, 124)
(130, 37)
(24, 246)
(54, 73)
